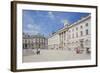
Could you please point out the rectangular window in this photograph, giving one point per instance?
(86, 24)
(87, 32)
(81, 33)
(81, 27)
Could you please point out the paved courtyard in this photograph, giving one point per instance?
(53, 55)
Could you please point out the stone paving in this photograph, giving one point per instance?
(53, 55)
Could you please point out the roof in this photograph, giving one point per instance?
(27, 36)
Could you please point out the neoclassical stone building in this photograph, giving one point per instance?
(76, 35)
(34, 41)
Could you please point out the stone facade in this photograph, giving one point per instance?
(76, 35)
(34, 42)
(53, 42)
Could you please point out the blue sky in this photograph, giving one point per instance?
(47, 22)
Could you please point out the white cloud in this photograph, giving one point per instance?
(33, 26)
(31, 32)
(51, 15)
(29, 26)
(64, 21)
(32, 29)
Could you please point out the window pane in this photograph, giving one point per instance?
(86, 24)
(81, 27)
(87, 32)
(81, 33)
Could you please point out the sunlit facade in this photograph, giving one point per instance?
(72, 36)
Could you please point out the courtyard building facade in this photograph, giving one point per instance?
(73, 36)
(34, 41)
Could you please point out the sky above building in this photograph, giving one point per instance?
(47, 22)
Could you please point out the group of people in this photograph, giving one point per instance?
(36, 51)
(81, 50)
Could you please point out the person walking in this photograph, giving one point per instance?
(38, 51)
